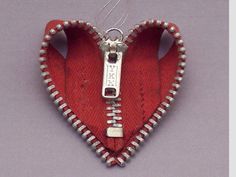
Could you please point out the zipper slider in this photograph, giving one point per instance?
(113, 52)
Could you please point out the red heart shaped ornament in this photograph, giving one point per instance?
(148, 85)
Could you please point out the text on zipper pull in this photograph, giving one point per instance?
(113, 52)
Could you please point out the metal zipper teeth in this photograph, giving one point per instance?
(75, 121)
(114, 113)
(161, 110)
(58, 100)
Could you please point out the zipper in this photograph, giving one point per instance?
(115, 127)
(113, 51)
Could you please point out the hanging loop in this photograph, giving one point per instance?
(121, 37)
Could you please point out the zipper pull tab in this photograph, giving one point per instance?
(113, 52)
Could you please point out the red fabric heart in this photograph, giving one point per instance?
(145, 84)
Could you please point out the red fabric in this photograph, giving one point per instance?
(145, 81)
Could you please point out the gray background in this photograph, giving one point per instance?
(192, 142)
